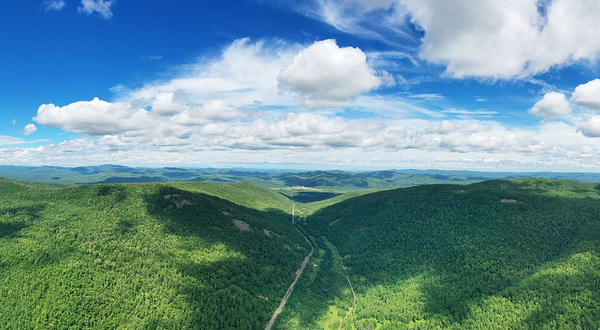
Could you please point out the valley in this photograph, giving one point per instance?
(207, 255)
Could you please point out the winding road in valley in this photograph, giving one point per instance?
(298, 273)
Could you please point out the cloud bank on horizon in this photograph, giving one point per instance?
(507, 85)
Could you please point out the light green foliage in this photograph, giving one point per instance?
(141, 256)
(309, 208)
(311, 200)
(241, 193)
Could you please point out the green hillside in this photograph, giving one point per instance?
(176, 256)
(504, 254)
(241, 193)
(521, 254)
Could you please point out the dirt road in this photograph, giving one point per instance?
(291, 288)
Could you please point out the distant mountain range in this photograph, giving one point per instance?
(330, 180)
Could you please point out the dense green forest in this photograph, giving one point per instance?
(504, 254)
(200, 255)
(521, 254)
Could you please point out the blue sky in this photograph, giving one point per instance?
(346, 84)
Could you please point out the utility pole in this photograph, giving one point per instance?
(293, 211)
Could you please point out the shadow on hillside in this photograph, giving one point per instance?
(32, 212)
(40, 254)
(117, 191)
(11, 228)
(311, 196)
(118, 179)
(228, 269)
(469, 244)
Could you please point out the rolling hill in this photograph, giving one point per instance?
(328, 181)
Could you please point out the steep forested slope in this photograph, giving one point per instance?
(521, 254)
(143, 256)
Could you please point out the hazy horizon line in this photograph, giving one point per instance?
(313, 169)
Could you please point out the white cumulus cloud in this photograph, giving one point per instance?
(95, 117)
(29, 129)
(100, 118)
(552, 105)
(324, 74)
(590, 127)
(588, 95)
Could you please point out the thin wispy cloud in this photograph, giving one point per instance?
(151, 58)
(101, 7)
(471, 112)
(55, 5)
(10, 140)
(428, 97)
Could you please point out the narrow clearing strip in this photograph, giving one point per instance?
(291, 288)
(351, 288)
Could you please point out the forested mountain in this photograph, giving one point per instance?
(502, 254)
(175, 256)
(324, 180)
(521, 254)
